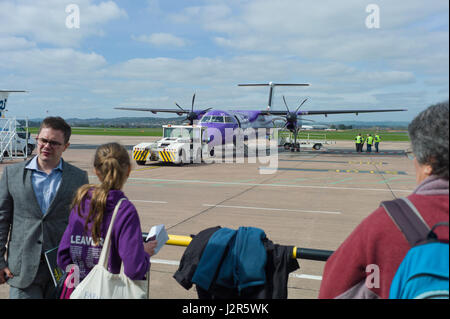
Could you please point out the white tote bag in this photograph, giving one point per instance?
(101, 284)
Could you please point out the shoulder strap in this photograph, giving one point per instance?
(408, 219)
(104, 255)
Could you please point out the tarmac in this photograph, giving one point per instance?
(311, 199)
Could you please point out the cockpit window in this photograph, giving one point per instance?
(217, 119)
(213, 119)
(228, 119)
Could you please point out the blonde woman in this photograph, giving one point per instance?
(90, 217)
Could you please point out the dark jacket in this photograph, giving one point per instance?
(233, 259)
(191, 257)
(279, 264)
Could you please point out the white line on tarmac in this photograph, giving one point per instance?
(148, 201)
(278, 209)
(177, 263)
(268, 185)
(305, 276)
(165, 262)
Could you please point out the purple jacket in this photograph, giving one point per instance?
(76, 246)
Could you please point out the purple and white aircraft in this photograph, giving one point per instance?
(221, 120)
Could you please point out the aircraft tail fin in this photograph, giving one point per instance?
(272, 88)
(4, 98)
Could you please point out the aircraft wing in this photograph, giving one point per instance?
(326, 112)
(154, 111)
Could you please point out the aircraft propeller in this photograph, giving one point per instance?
(192, 116)
(292, 119)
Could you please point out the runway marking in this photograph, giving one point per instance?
(313, 277)
(333, 170)
(189, 181)
(391, 179)
(366, 163)
(336, 162)
(165, 262)
(342, 180)
(145, 168)
(148, 201)
(277, 209)
(177, 263)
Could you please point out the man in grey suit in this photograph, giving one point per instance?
(35, 199)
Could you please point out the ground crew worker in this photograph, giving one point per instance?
(358, 142)
(369, 143)
(363, 140)
(377, 141)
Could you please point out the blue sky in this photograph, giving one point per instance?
(150, 53)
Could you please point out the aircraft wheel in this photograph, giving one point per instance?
(30, 149)
(199, 158)
(317, 146)
(184, 158)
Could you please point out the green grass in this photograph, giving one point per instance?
(387, 136)
(349, 135)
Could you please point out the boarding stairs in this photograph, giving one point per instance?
(8, 135)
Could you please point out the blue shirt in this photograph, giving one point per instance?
(45, 186)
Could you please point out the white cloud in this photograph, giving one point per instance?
(51, 62)
(313, 29)
(15, 43)
(45, 20)
(206, 14)
(161, 40)
(402, 64)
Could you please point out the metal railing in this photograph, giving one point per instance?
(9, 140)
(7, 135)
(297, 253)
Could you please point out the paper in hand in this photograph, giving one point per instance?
(158, 233)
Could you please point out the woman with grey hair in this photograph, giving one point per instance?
(429, 139)
(366, 262)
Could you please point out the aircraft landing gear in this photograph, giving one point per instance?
(293, 147)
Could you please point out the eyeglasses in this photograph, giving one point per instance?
(42, 141)
(409, 153)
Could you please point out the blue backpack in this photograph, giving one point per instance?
(424, 272)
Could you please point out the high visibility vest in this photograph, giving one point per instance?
(358, 139)
(377, 139)
(370, 140)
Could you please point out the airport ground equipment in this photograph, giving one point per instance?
(15, 139)
(308, 140)
(180, 144)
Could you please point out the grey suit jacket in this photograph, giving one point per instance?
(30, 232)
